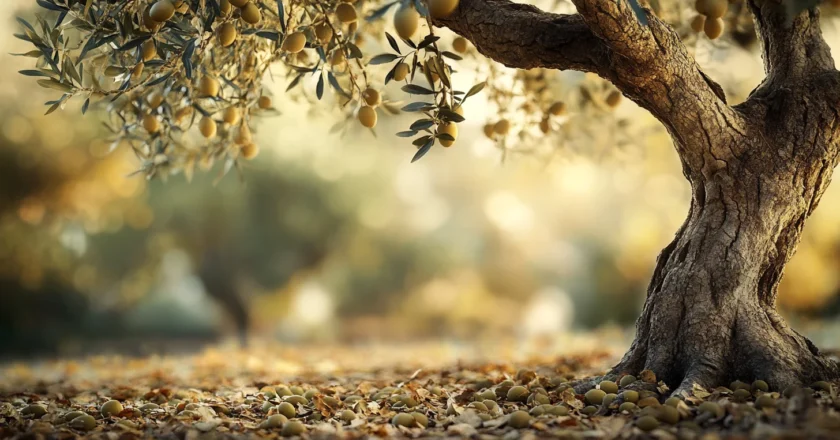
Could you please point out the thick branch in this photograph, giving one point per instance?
(525, 37)
(792, 47)
(649, 63)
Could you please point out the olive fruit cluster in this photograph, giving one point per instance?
(710, 17)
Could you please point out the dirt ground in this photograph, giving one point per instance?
(408, 390)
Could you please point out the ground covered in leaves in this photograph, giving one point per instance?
(415, 391)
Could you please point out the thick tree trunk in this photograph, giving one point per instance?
(757, 171)
(710, 314)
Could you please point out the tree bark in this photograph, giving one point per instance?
(757, 171)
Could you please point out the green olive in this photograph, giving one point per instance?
(72, 415)
(668, 414)
(517, 394)
(647, 423)
(519, 420)
(760, 385)
(589, 410)
(559, 410)
(537, 411)
(737, 385)
(292, 428)
(283, 391)
(478, 406)
(287, 409)
(347, 415)
(403, 419)
(608, 386)
(595, 396)
(296, 390)
(765, 401)
(34, 410)
(83, 423)
(296, 400)
(630, 396)
(741, 395)
(421, 419)
(627, 380)
(711, 408)
(628, 406)
(648, 401)
(111, 408)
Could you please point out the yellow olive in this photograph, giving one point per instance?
(151, 124)
(489, 130)
(155, 99)
(459, 44)
(406, 21)
(182, 113)
(137, 71)
(346, 13)
(698, 23)
(224, 7)
(264, 102)
(148, 49)
(243, 136)
(250, 151)
(251, 13)
(713, 28)
(558, 108)
(449, 128)
(545, 125)
(372, 97)
(207, 127)
(239, 3)
(208, 86)
(227, 34)
(502, 127)
(367, 116)
(337, 57)
(150, 22)
(442, 8)
(613, 99)
(294, 42)
(401, 71)
(162, 10)
(323, 32)
(232, 115)
(714, 8)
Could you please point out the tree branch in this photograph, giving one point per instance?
(648, 63)
(525, 37)
(791, 48)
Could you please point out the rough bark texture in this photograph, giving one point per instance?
(757, 171)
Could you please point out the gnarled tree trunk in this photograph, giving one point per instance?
(757, 171)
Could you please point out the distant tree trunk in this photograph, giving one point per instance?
(757, 171)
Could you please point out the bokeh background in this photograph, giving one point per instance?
(333, 237)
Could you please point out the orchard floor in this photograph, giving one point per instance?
(411, 390)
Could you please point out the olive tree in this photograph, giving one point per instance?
(757, 169)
